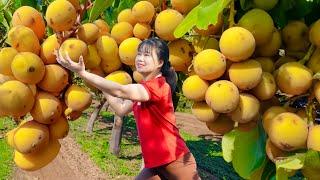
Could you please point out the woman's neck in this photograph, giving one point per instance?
(151, 75)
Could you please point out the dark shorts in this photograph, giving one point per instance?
(184, 168)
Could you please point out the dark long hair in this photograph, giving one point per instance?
(162, 52)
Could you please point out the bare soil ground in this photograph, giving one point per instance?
(73, 164)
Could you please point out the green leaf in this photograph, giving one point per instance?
(4, 22)
(99, 6)
(312, 159)
(282, 174)
(249, 151)
(8, 15)
(227, 145)
(294, 162)
(209, 14)
(278, 13)
(269, 170)
(19, 3)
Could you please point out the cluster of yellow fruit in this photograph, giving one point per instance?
(235, 80)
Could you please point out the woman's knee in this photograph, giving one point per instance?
(147, 174)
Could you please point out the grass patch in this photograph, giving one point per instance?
(207, 153)
(6, 152)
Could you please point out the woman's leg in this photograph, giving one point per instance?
(147, 174)
(184, 168)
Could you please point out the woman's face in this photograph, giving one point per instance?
(147, 61)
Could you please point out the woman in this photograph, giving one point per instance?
(165, 153)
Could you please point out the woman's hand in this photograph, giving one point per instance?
(69, 64)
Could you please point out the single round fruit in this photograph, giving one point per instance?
(126, 15)
(184, 6)
(237, 44)
(314, 61)
(209, 64)
(314, 35)
(122, 31)
(247, 110)
(75, 48)
(203, 112)
(55, 79)
(259, 23)
(59, 129)
(166, 22)
(47, 50)
(288, 131)
(111, 64)
(294, 78)
(61, 15)
(31, 18)
(271, 48)
(266, 64)
(104, 28)
(180, 54)
(88, 32)
(195, 88)
(142, 31)
(267, 87)
(269, 114)
(295, 36)
(92, 59)
(23, 39)
(128, 50)
(28, 68)
(246, 75)
(222, 96)
(107, 47)
(314, 138)
(77, 98)
(31, 137)
(212, 28)
(143, 12)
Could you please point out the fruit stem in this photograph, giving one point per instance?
(310, 109)
(308, 55)
(296, 54)
(163, 5)
(232, 14)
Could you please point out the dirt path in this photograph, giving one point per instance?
(72, 164)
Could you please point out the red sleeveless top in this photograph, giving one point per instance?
(159, 136)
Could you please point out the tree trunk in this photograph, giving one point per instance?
(116, 135)
(95, 114)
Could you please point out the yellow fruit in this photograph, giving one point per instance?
(23, 39)
(203, 112)
(47, 108)
(273, 152)
(271, 48)
(237, 44)
(314, 35)
(31, 18)
(247, 110)
(313, 141)
(259, 23)
(104, 28)
(76, 4)
(31, 137)
(222, 96)
(212, 28)
(143, 12)
(201, 43)
(120, 77)
(184, 6)
(6, 57)
(195, 88)
(222, 125)
(288, 131)
(266, 64)
(111, 64)
(180, 54)
(59, 129)
(246, 75)
(88, 33)
(267, 87)
(268, 116)
(55, 79)
(282, 60)
(128, 50)
(107, 47)
(265, 4)
(209, 64)
(121, 31)
(294, 78)
(126, 15)
(77, 98)
(314, 62)
(317, 90)
(33, 89)
(75, 48)
(142, 31)
(47, 50)
(28, 68)
(164, 27)
(10, 137)
(61, 15)
(137, 77)
(295, 36)
(16, 98)
(92, 59)
(32, 162)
